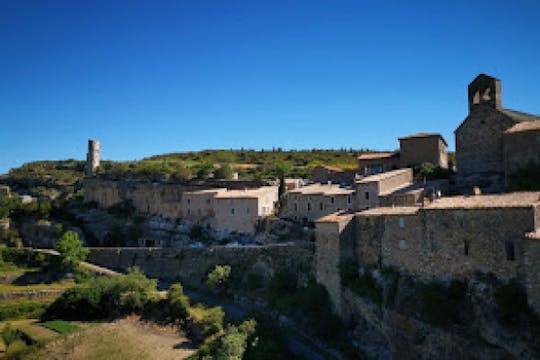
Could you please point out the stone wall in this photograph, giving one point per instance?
(334, 243)
(434, 244)
(521, 149)
(190, 266)
(479, 141)
(446, 243)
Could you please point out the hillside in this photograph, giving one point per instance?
(250, 164)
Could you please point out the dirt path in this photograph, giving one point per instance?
(124, 339)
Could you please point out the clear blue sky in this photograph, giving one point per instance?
(151, 77)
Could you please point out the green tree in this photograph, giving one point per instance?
(225, 171)
(219, 277)
(71, 250)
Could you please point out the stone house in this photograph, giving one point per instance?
(230, 210)
(336, 175)
(378, 162)
(311, 202)
(480, 149)
(370, 189)
(423, 148)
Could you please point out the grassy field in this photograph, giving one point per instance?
(121, 340)
(60, 326)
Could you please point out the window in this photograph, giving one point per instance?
(247, 210)
(321, 206)
(188, 212)
(510, 254)
(401, 222)
(208, 201)
(295, 207)
(349, 199)
(232, 211)
(402, 244)
(367, 195)
(332, 200)
(309, 207)
(466, 247)
(188, 201)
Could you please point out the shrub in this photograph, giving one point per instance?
(103, 297)
(71, 251)
(178, 303)
(23, 309)
(219, 277)
(223, 172)
(231, 345)
(82, 275)
(207, 321)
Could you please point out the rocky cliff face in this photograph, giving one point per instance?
(400, 329)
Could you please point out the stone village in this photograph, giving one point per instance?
(379, 215)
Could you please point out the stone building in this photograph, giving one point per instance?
(451, 238)
(371, 189)
(223, 208)
(230, 210)
(378, 162)
(336, 175)
(92, 157)
(311, 202)
(423, 148)
(521, 144)
(480, 151)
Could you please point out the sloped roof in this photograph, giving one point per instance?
(330, 168)
(519, 116)
(524, 126)
(423, 135)
(377, 155)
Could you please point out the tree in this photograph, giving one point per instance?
(71, 250)
(219, 277)
(224, 172)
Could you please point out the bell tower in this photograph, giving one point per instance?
(485, 90)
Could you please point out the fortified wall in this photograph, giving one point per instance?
(191, 265)
(452, 238)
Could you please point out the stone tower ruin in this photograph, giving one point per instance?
(92, 157)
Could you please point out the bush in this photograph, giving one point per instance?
(219, 277)
(231, 345)
(71, 251)
(23, 309)
(23, 257)
(207, 321)
(223, 172)
(178, 303)
(104, 297)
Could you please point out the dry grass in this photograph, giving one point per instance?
(128, 338)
